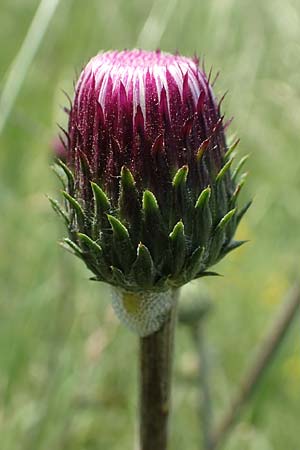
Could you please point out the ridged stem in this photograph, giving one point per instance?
(156, 357)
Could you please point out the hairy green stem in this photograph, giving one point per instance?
(156, 356)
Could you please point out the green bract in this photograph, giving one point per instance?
(141, 245)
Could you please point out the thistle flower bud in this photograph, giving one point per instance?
(150, 198)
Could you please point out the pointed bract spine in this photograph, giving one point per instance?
(76, 207)
(243, 211)
(178, 247)
(231, 149)
(195, 263)
(143, 270)
(59, 210)
(69, 174)
(122, 247)
(181, 200)
(101, 207)
(202, 223)
(219, 236)
(129, 204)
(153, 230)
(239, 167)
(224, 170)
(180, 177)
(71, 246)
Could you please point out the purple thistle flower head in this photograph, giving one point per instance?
(152, 112)
(150, 200)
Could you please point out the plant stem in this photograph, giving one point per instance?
(198, 334)
(156, 356)
(261, 362)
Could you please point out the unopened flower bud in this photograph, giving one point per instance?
(150, 196)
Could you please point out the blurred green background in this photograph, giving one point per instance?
(67, 369)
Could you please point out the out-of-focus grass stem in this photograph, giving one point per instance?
(266, 353)
(21, 63)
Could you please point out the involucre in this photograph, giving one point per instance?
(150, 197)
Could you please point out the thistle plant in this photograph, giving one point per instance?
(150, 198)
